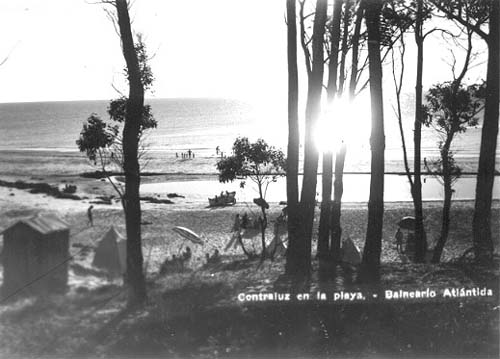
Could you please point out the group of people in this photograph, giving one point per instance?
(185, 155)
(176, 263)
(214, 258)
(219, 152)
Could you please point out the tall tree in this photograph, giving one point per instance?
(295, 253)
(416, 188)
(370, 265)
(401, 16)
(327, 168)
(313, 109)
(131, 134)
(474, 14)
(452, 108)
(338, 185)
(481, 224)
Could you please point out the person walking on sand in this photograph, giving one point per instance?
(189, 153)
(399, 240)
(89, 215)
(217, 150)
(235, 233)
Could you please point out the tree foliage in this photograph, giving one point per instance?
(102, 140)
(258, 161)
(452, 110)
(96, 136)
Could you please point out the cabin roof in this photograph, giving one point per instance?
(43, 224)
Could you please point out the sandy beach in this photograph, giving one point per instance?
(214, 224)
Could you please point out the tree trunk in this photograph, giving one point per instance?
(337, 202)
(370, 265)
(263, 225)
(326, 202)
(420, 243)
(344, 49)
(355, 51)
(336, 231)
(481, 225)
(296, 250)
(134, 276)
(313, 108)
(448, 192)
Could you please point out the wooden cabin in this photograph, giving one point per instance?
(35, 256)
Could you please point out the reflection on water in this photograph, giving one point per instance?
(356, 189)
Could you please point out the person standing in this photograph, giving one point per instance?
(89, 215)
(399, 240)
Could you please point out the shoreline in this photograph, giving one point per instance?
(198, 187)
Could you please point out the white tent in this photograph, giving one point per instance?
(111, 253)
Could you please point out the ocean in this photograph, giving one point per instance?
(182, 123)
(196, 124)
(29, 131)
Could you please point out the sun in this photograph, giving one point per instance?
(344, 122)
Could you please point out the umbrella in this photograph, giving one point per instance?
(407, 223)
(188, 234)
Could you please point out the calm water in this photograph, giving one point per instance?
(201, 125)
(190, 123)
(182, 123)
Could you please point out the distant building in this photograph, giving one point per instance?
(35, 255)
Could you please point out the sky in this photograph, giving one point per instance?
(68, 50)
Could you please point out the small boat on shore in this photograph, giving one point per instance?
(225, 199)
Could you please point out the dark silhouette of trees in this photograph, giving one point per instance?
(325, 218)
(474, 14)
(260, 163)
(452, 108)
(338, 185)
(131, 133)
(370, 265)
(344, 35)
(403, 16)
(293, 253)
(416, 188)
(307, 205)
(483, 242)
(104, 142)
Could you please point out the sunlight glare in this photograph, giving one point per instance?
(344, 122)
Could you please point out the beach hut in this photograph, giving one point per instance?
(35, 255)
(111, 253)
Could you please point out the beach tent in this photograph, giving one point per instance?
(111, 253)
(35, 255)
(350, 252)
(407, 222)
(277, 246)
